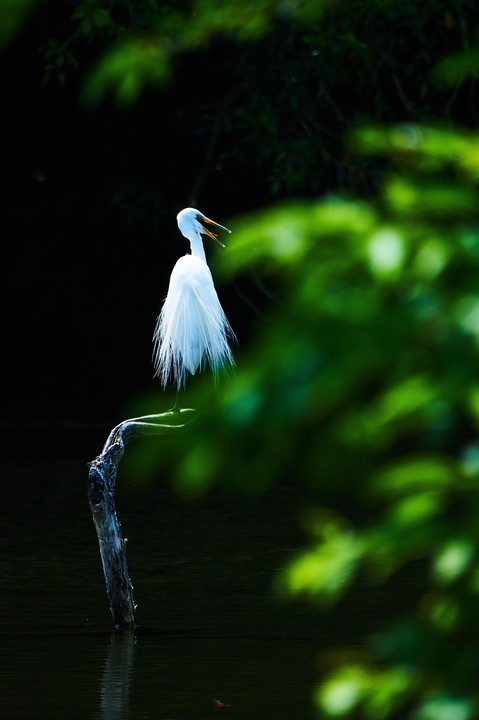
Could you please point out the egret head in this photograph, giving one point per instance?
(192, 223)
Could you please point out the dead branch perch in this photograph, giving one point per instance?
(101, 497)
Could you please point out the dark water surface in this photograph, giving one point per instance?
(213, 628)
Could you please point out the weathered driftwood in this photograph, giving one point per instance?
(101, 496)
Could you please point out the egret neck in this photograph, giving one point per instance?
(196, 245)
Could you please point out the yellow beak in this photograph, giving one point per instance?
(210, 233)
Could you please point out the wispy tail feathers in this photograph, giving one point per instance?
(191, 331)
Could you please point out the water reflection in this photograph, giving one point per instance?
(117, 675)
(202, 578)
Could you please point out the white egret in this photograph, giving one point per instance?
(192, 329)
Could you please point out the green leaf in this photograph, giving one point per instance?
(327, 569)
(446, 707)
(453, 559)
(417, 475)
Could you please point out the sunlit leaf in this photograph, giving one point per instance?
(416, 475)
(386, 252)
(453, 560)
(432, 258)
(339, 695)
(467, 313)
(380, 693)
(420, 198)
(446, 707)
(329, 567)
(390, 689)
(426, 148)
(470, 457)
(415, 510)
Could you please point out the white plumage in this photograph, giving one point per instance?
(192, 329)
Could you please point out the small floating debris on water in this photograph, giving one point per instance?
(220, 704)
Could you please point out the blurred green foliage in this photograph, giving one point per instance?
(290, 77)
(143, 55)
(362, 387)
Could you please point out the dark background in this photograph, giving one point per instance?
(90, 193)
(90, 237)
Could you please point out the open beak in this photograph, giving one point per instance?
(210, 233)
